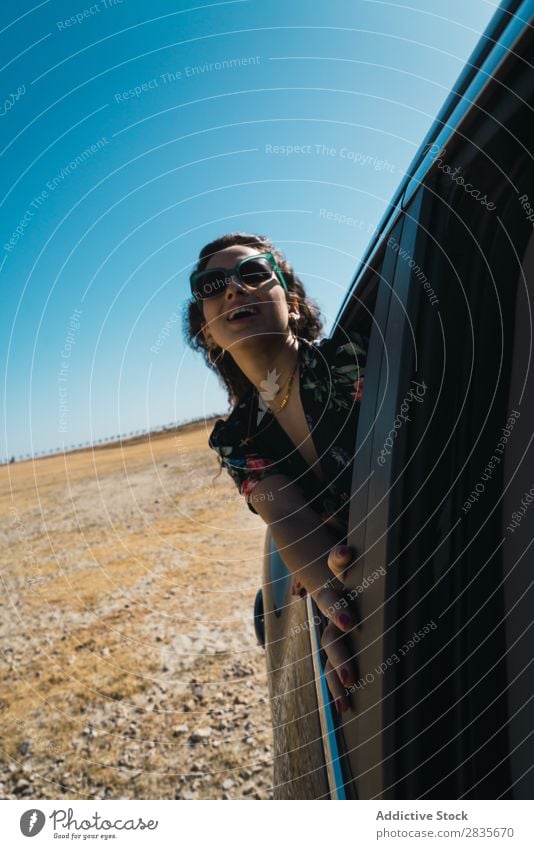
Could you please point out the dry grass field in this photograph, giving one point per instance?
(129, 665)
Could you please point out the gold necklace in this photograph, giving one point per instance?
(288, 392)
(249, 439)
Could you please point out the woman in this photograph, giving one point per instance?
(289, 441)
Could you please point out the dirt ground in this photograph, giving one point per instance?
(129, 666)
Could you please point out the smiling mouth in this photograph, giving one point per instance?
(241, 313)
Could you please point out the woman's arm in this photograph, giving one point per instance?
(306, 544)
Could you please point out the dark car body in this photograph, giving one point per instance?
(443, 476)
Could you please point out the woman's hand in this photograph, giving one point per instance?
(339, 669)
(299, 533)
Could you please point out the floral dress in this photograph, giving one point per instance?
(251, 444)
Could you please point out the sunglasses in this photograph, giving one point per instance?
(252, 270)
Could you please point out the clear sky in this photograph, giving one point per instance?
(132, 133)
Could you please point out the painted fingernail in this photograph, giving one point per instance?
(345, 674)
(345, 620)
(343, 550)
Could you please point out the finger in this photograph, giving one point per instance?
(297, 588)
(339, 559)
(339, 654)
(334, 607)
(336, 688)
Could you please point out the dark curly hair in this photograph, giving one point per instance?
(309, 326)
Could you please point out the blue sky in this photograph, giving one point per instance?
(123, 152)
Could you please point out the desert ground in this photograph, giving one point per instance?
(129, 665)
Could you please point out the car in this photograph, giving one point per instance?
(442, 502)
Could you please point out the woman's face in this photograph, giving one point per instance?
(268, 301)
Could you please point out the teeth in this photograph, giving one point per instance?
(241, 311)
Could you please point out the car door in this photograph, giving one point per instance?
(299, 760)
(361, 729)
(442, 702)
